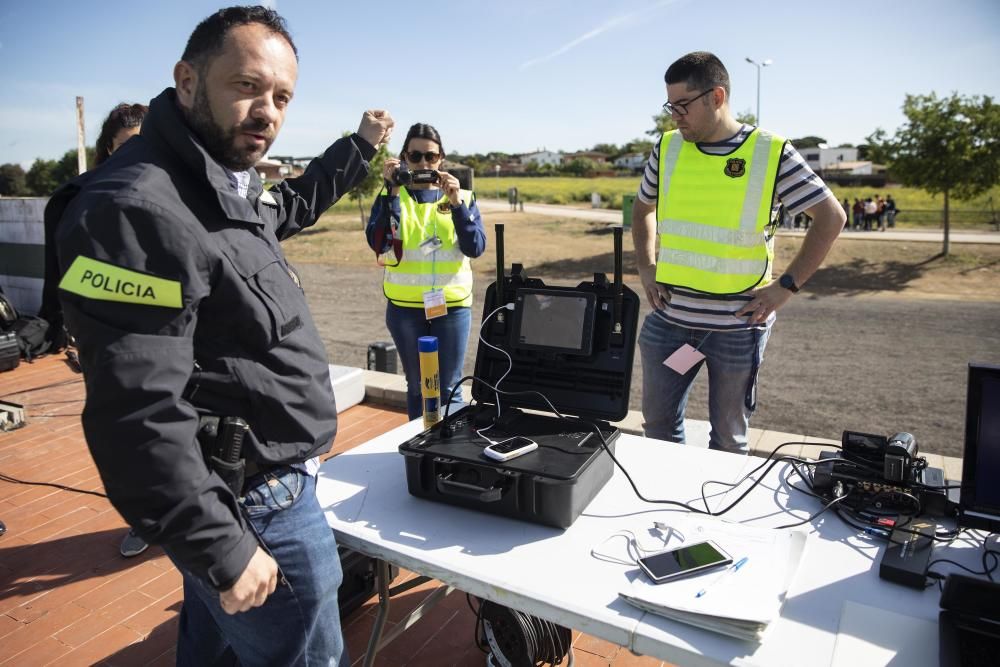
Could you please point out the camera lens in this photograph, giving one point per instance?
(402, 177)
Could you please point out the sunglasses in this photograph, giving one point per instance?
(416, 156)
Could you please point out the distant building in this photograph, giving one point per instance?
(855, 168)
(274, 170)
(633, 161)
(595, 156)
(824, 158)
(543, 157)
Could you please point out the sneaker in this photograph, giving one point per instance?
(133, 545)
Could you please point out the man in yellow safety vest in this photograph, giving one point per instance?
(711, 191)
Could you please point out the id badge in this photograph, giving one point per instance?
(683, 359)
(429, 245)
(434, 304)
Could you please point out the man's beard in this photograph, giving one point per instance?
(221, 142)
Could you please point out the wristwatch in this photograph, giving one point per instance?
(788, 282)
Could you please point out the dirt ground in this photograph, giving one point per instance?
(878, 341)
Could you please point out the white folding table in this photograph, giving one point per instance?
(551, 573)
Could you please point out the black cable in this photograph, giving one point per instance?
(44, 386)
(810, 518)
(544, 642)
(8, 478)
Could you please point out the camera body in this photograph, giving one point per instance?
(415, 177)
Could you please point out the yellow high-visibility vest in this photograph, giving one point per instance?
(447, 268)
(713, 214)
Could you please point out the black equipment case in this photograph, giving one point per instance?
(583, 367)
(10, 353)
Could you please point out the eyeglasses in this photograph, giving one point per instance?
(416, 156)
(681, 108)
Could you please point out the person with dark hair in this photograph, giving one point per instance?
(703, 227)
(425, 233)
(208, 386)
(122, 124)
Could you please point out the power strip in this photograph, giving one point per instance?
(11, 416)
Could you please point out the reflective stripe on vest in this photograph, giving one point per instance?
(713, 214)
(446, 268)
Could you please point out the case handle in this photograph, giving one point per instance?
(448, 486)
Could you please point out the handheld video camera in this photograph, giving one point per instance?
(403, 176)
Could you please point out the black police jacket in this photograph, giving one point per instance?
(182, 303)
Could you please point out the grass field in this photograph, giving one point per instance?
(919, 208)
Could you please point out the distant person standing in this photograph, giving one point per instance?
(706, 270)
(871, 210)
(512, 198)
(122, 124)
(859, 213)
(890, 211)
(846, 204)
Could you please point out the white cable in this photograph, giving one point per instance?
(510, 366)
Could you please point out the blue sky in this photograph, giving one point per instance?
(508, 75)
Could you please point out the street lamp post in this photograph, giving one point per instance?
(758, 66)
(497, 169)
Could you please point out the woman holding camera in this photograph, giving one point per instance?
(425, 230)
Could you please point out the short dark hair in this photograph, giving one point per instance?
(122, 116)
(422, 131)
(700, 70)
(208, 38)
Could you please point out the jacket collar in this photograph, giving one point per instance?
(165, 126)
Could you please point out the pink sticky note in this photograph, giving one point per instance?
(683, 359)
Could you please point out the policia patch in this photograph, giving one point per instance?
(93, 279)
(735, 167)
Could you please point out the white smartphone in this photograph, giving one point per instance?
(505, 450)
(684, 561)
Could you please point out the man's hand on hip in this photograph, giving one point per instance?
(765, 301)
(376, 126)
(258, 580)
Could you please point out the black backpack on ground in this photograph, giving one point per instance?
(32, 336)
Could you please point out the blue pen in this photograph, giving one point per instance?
(732, 568)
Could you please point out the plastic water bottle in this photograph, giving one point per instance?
(430, 384)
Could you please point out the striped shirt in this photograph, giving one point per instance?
(798, 188)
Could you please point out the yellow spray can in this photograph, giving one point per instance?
(430, 387)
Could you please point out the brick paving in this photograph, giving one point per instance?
(67, 597)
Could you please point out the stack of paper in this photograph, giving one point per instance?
(740, 603)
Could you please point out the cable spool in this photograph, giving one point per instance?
(515, 639)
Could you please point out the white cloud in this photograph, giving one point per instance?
(590, 34)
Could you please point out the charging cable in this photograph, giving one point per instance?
(510, 365)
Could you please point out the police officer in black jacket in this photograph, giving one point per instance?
(187, 316)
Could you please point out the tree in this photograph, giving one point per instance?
(579, 167)
(949, 146)
(12, 183)
(366, 189)
(69, 168)
(808, 142)
(747, 117)
(41, 179)
(664, 123)
(643, 146)
(611, 150)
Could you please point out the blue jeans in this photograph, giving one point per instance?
(406, 325)
(733, 359)
(299, 624)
